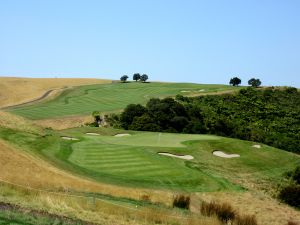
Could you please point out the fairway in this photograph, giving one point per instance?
(110, 98)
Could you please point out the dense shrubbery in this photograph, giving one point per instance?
(270, 116)
(290, 193)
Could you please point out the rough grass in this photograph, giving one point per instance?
(97, 211)
(109, 98)
(16, 90)
(18, 123)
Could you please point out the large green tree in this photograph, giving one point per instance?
(144, 77)
(254, 82)
(124, 78)
(235, 81)
(136, 77)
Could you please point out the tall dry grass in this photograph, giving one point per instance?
(97, 211)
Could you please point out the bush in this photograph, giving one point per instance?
(181, 201)
(290, 195)
(245, 220)
(224, 211)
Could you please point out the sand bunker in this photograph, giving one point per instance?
(95, 134)
(186, 157)
(122, 135)
(201, 90)
(256, 146)
(70, 138)
(224, 155)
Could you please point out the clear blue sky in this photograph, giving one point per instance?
(170, 40)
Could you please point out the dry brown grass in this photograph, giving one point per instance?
(15, 122)
(98, 211)
(64, 122)
(267, 210)
(19, 90)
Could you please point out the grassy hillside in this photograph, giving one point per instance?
(16, 90)
(133, 160)
(110, 97)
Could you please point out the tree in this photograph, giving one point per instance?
(136, 77)
(97, 118)
(130, 112)
(124, 78)
(144, 77)
(235, 81)
(254, 82)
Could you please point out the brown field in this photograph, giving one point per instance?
(15, 90)
(64, 122)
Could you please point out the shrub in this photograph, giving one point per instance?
(245, 220)
(291, 195)
(224, 211)
(181, 201)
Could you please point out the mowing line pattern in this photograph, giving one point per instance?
(107, 98)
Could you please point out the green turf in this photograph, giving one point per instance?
(109, 98)
(133, 160)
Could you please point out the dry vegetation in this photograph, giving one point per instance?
(19, 90)
(65, 122)
(266, 209)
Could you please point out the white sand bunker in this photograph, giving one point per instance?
(70, 138)
(256, 146)
(224, 155)
(122, 135)
(95, 134)
(186, 157)
(185, 91)
(201, 90)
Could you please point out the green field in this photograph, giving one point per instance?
(109, 98)
(133, 160)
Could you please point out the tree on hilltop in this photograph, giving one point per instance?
(144, 78)
(124, 78)
(235, 81)
(136, 77)
(254, 82)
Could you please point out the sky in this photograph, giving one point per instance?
(170, 40)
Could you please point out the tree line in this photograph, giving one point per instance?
(137, 77)
(270, 116)
(235, 81)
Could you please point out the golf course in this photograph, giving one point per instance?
(124, 169)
